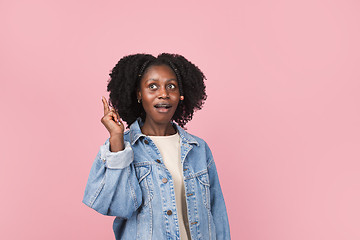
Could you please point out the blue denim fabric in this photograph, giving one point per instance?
(128, 184)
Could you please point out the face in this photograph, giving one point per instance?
(159, 94)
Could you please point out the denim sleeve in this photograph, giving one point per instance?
(112, 187)
(218, 208)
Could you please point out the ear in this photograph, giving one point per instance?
(138, 94)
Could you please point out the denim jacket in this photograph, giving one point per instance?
(128, 184)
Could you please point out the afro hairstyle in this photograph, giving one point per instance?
(125, 80)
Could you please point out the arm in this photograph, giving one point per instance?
(112, 187)
(218, 208)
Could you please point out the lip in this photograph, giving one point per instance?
(163, 107)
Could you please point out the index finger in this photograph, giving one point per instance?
(105, 104)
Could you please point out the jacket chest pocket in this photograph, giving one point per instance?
(143, 174)
(205, 188)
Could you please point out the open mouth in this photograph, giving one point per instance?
(166, 106)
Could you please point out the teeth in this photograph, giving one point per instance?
(162, 106)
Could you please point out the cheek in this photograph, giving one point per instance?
(175, 93)
(175, 96)
(146, 94)
(147, 100)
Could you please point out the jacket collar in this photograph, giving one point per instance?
(135, 133)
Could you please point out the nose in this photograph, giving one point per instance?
(163, 93)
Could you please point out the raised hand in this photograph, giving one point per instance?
(111, 120)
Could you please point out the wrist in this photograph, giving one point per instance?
(117, 135)
(116, 143)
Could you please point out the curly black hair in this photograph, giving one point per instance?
(125, 79)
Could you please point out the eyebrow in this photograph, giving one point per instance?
(155, 79)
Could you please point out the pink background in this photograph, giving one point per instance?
(282, 116)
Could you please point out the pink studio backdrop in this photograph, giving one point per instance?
(282, 117)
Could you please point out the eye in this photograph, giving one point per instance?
(152, 86)
(171, 86)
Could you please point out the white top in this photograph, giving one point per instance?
(169, 147)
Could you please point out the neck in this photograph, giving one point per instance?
(151, 128)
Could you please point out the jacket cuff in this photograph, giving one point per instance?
(116, 160)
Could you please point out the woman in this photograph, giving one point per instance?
(158, 180)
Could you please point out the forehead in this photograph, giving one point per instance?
(159, 72)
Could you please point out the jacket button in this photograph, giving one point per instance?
(146, 141)
(164, 180)
(158, 161)
(169, 212)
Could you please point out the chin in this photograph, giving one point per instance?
(161, 119)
